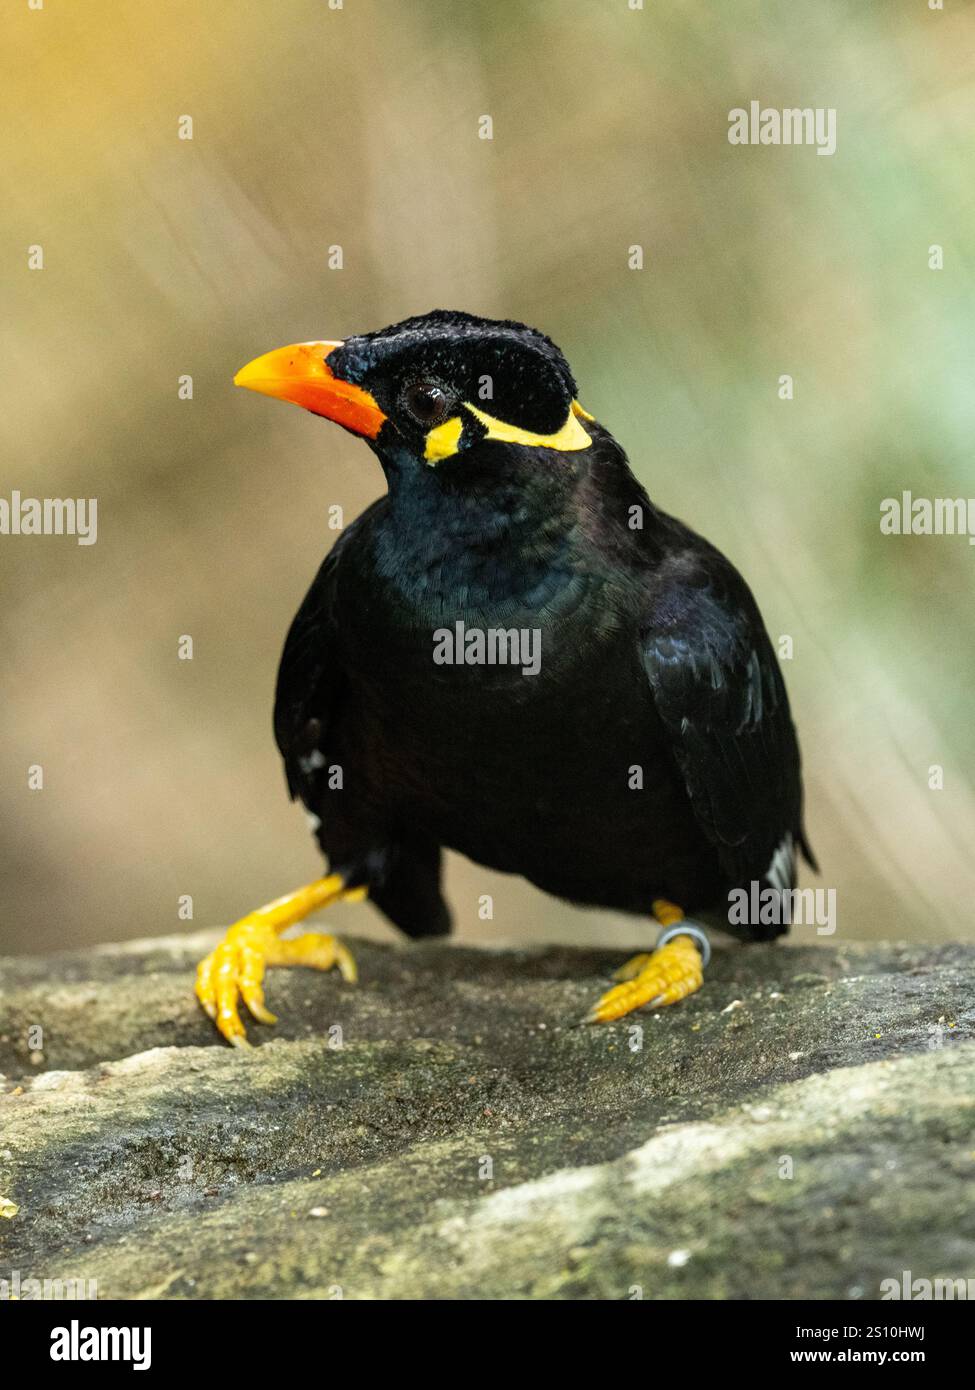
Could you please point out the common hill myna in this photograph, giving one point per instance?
(516, 655)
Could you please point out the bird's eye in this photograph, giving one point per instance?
(426, 402)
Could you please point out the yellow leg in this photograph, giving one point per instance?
(659, 977)
(235, 969)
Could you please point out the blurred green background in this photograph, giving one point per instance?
(359, 127)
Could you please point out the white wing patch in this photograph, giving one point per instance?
(781, 872)
(312, 761)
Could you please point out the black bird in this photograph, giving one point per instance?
(515, 654)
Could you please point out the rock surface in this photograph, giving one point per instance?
(801, 1128)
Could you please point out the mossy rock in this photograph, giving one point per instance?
(803, 1127)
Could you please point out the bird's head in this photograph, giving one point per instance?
(438, 390)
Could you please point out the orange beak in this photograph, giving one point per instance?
(301, 374)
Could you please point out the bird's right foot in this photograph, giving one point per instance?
(234, 970)
(664, 976)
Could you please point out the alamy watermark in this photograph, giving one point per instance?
(494, 646)
(941, 1288)
(908, 515)
(765, 906)
(50, 516)
(77, 1343)
(25, 1288)
(794, 125)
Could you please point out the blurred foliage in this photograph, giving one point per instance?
(358, 126)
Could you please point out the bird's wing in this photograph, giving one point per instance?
(310, 685)
(720, 695)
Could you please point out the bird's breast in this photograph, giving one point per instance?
(511, 734)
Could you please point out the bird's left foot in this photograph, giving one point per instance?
(664, 976)
(234, 970)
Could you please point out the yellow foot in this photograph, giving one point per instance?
(663, 976)
(235, 969)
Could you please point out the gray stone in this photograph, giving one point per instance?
(468, 1140)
